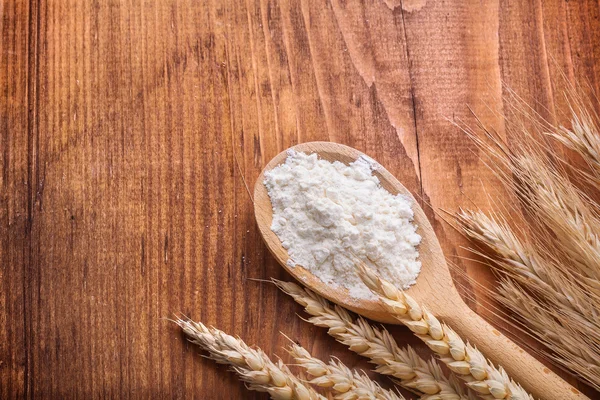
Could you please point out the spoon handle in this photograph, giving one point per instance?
(537, 379)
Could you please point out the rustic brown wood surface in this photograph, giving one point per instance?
(129, 130)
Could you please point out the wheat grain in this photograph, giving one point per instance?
(253, 366)
(376, 344)
(462, 358)
(348, 384)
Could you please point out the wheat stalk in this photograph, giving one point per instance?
(582, 136)
(410, 370)
(557, 205)
(347, 384)
(253, 366)
(566, 220)
(551, 275)
(462, 358)
(521, 260)
(570, 347)
(567, 319)
(542, 274)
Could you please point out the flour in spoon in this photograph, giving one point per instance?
(324, 213)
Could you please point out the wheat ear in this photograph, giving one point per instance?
(542, 274)
(521, 260)
(376, 344)
(554, 203)
(566, 320)
(462, 358)
(335, 376)
(253, 366)
(583, 134)
(567, 345)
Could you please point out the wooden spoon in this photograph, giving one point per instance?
(434, 286)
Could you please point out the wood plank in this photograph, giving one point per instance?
(124, 194)
(281, 94)
(456, 44)
(17, 24)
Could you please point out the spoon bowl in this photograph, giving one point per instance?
(434, 287)
(430, 251)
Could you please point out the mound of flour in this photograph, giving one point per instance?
(325, 212)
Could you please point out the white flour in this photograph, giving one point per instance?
(324, 212)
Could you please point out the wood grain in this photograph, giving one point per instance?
(129, 130)
(15, 200)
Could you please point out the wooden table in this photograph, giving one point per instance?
(130, 131)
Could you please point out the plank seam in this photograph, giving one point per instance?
(413, 102)
(32, 170)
